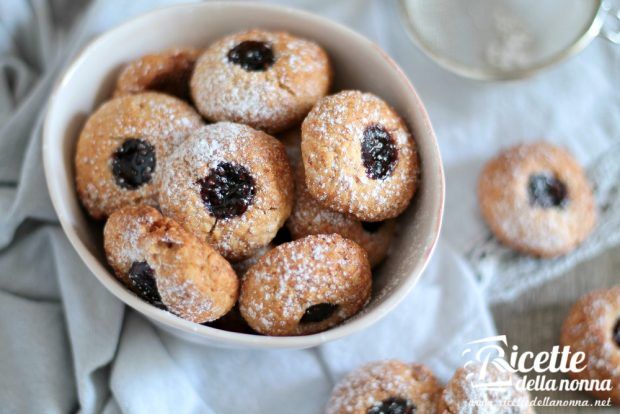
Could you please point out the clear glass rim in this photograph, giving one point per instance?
(492, 73)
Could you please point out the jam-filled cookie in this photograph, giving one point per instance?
(231, 186)
(593, 327)
(310, 217)
(386, 387)
(167, 72)
(268, 80)
(359, 156)
(462, 396)
(122, 146)
(537, 200)
(167, 266)
(306, 286)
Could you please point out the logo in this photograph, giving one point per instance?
(538, 370)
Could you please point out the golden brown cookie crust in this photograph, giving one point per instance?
(192, 279)
(378, 381)
(506, 207)
(315, 270)
(167, 72)
(310, 217)
(195, 282)
(263, 156)
(460, 393)
(331, 148)
(123, 237)
(271, 100)
(161, 120)
(589, 328)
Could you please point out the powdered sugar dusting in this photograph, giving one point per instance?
(161, 120)
(503, 191)
(462, 396)
(187, 297)
(296, 275)
(374, 382)
(331, 149)
(124, 233)
(270, 100)
(265, 159)
(590, 329)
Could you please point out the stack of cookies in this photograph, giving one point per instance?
(239, 190)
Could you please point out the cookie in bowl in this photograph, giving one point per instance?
(593, 327)
(386, 387)
(167, 266)
(267, 80)
(359, 157)
(168, 72)
(537, 200)
(310, 217)
(230, 185)
(306, 286)
(121, 148)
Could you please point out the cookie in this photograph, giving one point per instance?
(537, 200)
(593, 327)
(359, 156)
(306, 286)
(461, 396)
(386, 387)
(167, 72)
(123, 234)
(167, 266)
(231, 186)
(121, 148)
(310, 217)
(267, 80)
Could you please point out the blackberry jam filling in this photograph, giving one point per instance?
(318, 313)
(372, 226)
(547, 191)
(379, 153)
(616, 332)
(143, 283)
(393, 405)
(228, 190)
(252, 55)
(133, 163)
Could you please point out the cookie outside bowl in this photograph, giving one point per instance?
(90, 79)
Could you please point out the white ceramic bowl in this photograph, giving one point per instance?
(358, 64)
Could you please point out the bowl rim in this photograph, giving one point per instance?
(218, 336)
